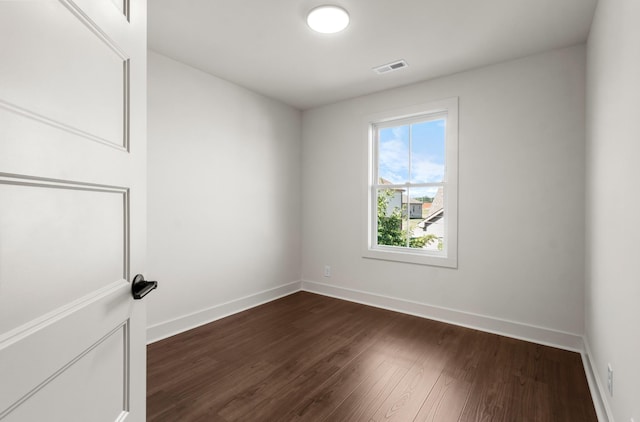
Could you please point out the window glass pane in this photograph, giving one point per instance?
(390, 217)
(427, 218)
(427, 151)
(393, 154)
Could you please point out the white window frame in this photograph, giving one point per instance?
(448, 257)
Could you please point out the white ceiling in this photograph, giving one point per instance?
(266, 46)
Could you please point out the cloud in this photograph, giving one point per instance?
(394, 163)
(394, 160)
(425, 170)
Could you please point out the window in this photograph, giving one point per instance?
(412, 185)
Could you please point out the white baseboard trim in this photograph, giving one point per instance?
(596, 386)
(540, 335)
(187, 322)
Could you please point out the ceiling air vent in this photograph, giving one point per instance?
(390, 67)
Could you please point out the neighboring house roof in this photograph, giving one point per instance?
(437, 204)
(384, 181)
(436, 210)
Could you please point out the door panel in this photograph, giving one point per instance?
(55, 356)
(122, 6)
(72, 213)
(101, 400)
(73, 232)
(80, 76)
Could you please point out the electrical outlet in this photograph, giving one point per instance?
(610, 379)
(327, 271)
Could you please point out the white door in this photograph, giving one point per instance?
(72, 209)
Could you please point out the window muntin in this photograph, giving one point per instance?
(413, 186)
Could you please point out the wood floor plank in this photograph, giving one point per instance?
(291, 374)
(445, 401)
(307, 357)
(529, 400)
(405, 400)
(431, 355)
(367, 396)
(317, 404)
(486, 403)
(292, 389)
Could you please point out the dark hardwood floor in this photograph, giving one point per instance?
(307, 357)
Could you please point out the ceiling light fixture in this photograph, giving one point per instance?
(328, 19)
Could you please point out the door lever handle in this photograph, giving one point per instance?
(141, 287)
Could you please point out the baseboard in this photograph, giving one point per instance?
(596, 386)
(187, 322)
(540, 335)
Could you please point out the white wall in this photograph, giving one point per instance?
(224, 194)
(613, 202)
(521, 195)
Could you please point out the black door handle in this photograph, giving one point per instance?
(141, 287)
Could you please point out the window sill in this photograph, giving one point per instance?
(439, 260)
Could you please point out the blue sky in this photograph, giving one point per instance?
(427, 153)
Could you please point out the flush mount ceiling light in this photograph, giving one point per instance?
(328, 19)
